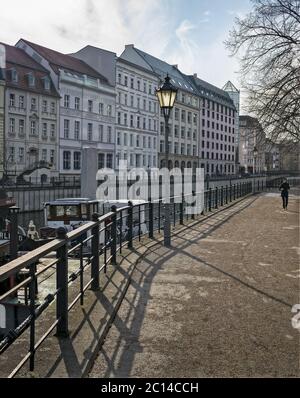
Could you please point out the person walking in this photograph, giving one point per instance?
(284, 188)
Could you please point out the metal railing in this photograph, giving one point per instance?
(96, 245)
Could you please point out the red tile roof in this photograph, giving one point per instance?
(17, 59)
(64, 61)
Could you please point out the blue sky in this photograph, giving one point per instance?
(189, 33)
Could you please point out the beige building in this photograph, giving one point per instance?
(252, 146)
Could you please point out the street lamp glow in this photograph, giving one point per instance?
(166, 95)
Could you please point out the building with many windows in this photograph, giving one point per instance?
(31, 118)
(137, 115)
(217, 128)
(87, 107)
(2, 97)
(184, 119)
(252, 148)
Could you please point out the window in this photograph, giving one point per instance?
(33, 127)
(132, 83)
(11, 125)
(125, 139)
(76, 160)
(137, 140)
(53, 108)
(76, 130)
(21, 126)
(31, 79)
(149, 142)
(101, 161)
(66, 128)
(150, 89)
(66, 160)
(21, 155)
(44, 130)
(90, 106)
(125, 99)
(125, 81)
(125, 119)
(101, 108)
(44, 155)
(145, 87)
(11, 156)
(90, 132)
(183, 116)
(45, 106)
(66, 101)
(52, 130)
(109, 138)
(131, 121)
(52, 155)
(21, 102)
(119, 78)
(109, 161)
(46, 83)
(100, 132)
(11, 99)
(138, 122)
(14, 76)
(139, 85)
(77, 103)
(131, 101)
(118, 138)
(109, 110)
(33, 104)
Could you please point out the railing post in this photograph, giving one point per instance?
(151, 223)
(193, 205)
(226, 194)
(113, 249)
(130, 225)
(222, 193)
(181, 210)
(62, 284)
(95, 254)
(234, 191)
(209, 199)
(216, 197)
(230, 193)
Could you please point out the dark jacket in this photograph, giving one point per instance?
(284, 187)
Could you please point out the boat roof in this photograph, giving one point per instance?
(71, 201)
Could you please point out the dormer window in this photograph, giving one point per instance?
(31, 79)
(14, 76)
(46, 83)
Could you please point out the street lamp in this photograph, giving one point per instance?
(166, 95)
(255, 153)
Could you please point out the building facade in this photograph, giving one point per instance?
(217, 129)
(31, 118)
(137, 115)
(184, 119)
(252, 137)
(87, 108)
(2, 98)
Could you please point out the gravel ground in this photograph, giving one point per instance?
(218, 304)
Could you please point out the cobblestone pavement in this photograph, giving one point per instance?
(218, 304)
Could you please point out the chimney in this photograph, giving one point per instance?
(129, 45)
(175, 66)
(195, 75)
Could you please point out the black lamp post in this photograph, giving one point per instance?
(255, 153)
(166, 95)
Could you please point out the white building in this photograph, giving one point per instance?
(137, 115)
(87, 107)
(31, 118)
(252, 148)
(184, 119)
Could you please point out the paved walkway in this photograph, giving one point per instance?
(218, 304)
